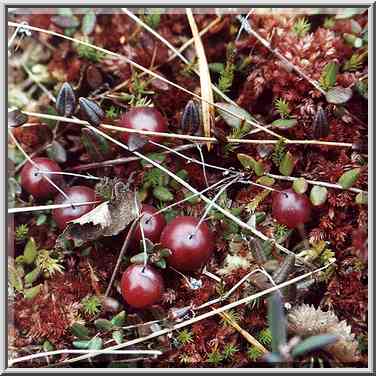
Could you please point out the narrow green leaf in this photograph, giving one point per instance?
(103, 324)
(118, 336)
(361, 198)
(81, 344)
(32, 292)
(42, 218)
(47, 346)
(313, 343)
(277, 321)
(349, 178)
(31, 277)
(300, 185)
(30, 251)
(329, 76)
(95, 343)
(265, 180)
(15, 277)
(287, 164)
(162, 193)
(284, 123)
(119, 319)
(318, 195)
(88, 22)
(80, 331)
(249, 162)
(231, 120)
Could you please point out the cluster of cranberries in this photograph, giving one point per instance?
(190, 245)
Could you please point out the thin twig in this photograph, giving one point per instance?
(203, 316)
(90, 177)
(317, 182)
(185, 136)
(48, 207)
(121, 254)
(68, 351)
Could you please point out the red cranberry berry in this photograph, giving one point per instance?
(141, 286)
(190, 248)
(32, 179)
(146, 119)
(151, 224)
(76, 194)
(290, 208)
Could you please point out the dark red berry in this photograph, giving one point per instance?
(76, 194)
(151, 224)
(33, 181)
(190, 248)
(143, 118)
(290, 208)
(141, 286)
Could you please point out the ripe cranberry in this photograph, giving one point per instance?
(151, 224)
(76, 194)
(143, 118)
(190, 249)
(34, 182)
(141, 286)
(290, 208)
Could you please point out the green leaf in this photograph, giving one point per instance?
(139, 258)
(162, 264)
(349, 178)
(338, 95)
(30, 252)
(47, 346)
(67, 12)
(277, 321)
(318, 195)
(231, 120)
(300, 185)
(162, 193)
(42, 218)
(31, 277)
(118, 336)
(329, 76)
(313, 343)
(119, 319)
(95, 343)
(103, 324)
(88, 22)
(80, 331)
(353, 40)
(287, 164)
(81, 344)
(265, 180)
(284, 123)
(15, 277)
(361, 198)
(57, 152)
(32, 292)
(249, 162)
(216, 67)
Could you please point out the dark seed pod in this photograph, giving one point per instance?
(94, 77)
(66, 100)
(91, 111)
(320, 124)
(281, 274)
(190, 121)
(16, 118)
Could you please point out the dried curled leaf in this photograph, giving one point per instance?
(107, 219)
(306, 320)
